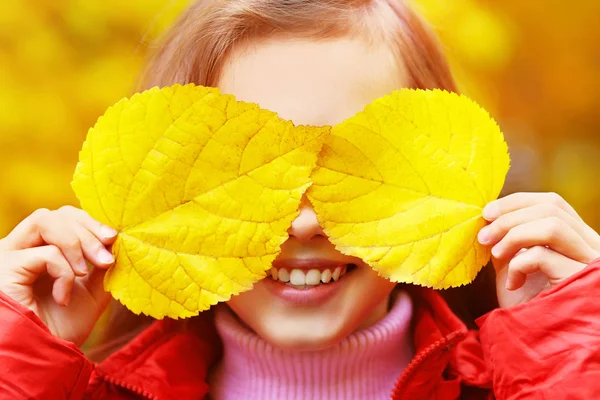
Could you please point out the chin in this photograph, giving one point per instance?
(290, 322)
(301, 336)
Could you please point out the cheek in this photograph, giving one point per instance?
(372, 299)
(362, 302)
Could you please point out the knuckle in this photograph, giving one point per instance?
(78, 258)
(40, 214)
(537, 253)
(72, 242)
(512, 236)
(556, 199)
(554, 228)
(88, 240)
(496, 230)
(517, 265)
(550, 209)
(54, 253)
(67, 274)
(97, 246)
(500, 226)
(67, 209)
(529, 258)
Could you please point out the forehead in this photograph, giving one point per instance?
(312, 82)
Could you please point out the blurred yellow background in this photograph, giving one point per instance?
(533, 64)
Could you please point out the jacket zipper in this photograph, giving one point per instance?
(134, 389)
(447, 342)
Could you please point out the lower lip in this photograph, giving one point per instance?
(312, 296)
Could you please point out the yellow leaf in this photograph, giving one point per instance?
(202, 189)
(403, 183)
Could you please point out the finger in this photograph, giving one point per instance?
(34, 230)
(47, 259)
(552, 232)
(68, 241)
(51, 229)
(551, 263)
(61, 291)
(54, 228)
(26, 234)
(515, 201)
(494, 232)
(93, 249)
(94, 283)
(103, 232)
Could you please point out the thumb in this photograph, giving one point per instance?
(499, 264)
(94, 283)
(21, 269)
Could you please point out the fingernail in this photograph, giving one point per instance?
(491, 211)
(82, 268)
(67, 300)
(105, 257)
(107, 232)
(508, 285)
(484, 235)
(496, 251)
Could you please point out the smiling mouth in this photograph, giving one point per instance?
(306, 278)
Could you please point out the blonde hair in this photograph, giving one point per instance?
(195, 49)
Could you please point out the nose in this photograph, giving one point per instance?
(306, 226)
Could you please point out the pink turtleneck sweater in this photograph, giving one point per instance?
(364, 365)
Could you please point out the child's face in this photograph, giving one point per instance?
(313, 83)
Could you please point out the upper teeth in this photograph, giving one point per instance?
(299, 277)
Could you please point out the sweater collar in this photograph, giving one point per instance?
(364, 365)
(171, 359)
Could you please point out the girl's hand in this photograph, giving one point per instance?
(43, 267)
(538, 240)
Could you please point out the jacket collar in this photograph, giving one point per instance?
(437, 330)
(171, 359)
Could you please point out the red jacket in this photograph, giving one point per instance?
(547, 348)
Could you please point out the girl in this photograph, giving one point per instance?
(314, 62)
